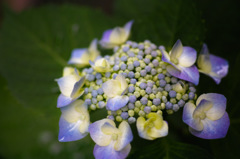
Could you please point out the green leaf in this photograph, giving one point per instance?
(36, 44)
(164, 21)
(168, 149)
(26, 132)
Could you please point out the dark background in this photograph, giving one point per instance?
(221, 31)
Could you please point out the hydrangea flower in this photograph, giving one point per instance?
(111, 142)
(116, 36)
(136, 85)
(115, 90)
(70, 86)
(101, 65)
(74, 122)
(209, 119)
(152, 128)
(81, 57)
(181, 59)
(211, 65)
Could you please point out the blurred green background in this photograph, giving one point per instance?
(36, 39)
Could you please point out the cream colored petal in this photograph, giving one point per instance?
(176, 51)
(123, 82)
(112, 88)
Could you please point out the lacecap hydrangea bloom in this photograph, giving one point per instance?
(138, 85)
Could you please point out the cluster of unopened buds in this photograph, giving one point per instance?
(139, 83)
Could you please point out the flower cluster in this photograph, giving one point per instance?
(139, 84)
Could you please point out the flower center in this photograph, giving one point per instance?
(175, 61)
(114, 136)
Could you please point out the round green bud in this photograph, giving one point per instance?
(173, 100)
(129, 94)
(164, 93)
(141, 113)
(163, 106)
(155, 78)
(137, 75)
(149, 57)
(121, 71)
(138, 69)
(105, 96)
(170, 111)
(127, 80)
(137, 89)
(149, 77)
(159, 112)
(154, 108)
(185, 97)
(142, 92)
(164, 71)
(118, 118)
(93, 107)
(109, 112)
(168, 79)
(89, 96)
(96, 87)
(152, 96)
(158, 58)
(99, 97)
(149, 103)
(151, 65)
(92, 84)
(137, 94)
(134, 58)
(138, 104)
(119, 112)
(159, 70)
(142, 65)
(136, 110)
(104, 79)
(131, 112)
(146, 96)
(178, 96)
(142, 107)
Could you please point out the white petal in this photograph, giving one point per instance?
(177, 50)
(112, 88)
(96, 133)
(66, 84)
(188, 57)
(123, 82)
(125, 137)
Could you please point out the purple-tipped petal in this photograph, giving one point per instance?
(76, 88)
(106, 35)
(69, 131)
(108, 152)
(219, 105)
(117, 102)
(190, 74)
(165, 56)
(77, 55)
(213, 129)
(64, 100)
(96, 133)
(219, 67)
(188, 57)
(188, 117)
(127, 27)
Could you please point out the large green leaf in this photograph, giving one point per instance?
(164, 21)
(167, 149)
(36, 44)
(27, 133)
